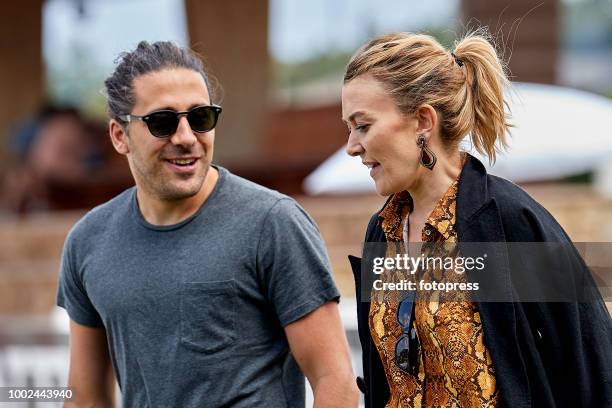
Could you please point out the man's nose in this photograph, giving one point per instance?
(183, 136)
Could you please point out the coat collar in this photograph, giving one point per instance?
(473, 193)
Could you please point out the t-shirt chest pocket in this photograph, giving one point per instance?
(208, 315)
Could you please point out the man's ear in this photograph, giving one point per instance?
(427, 118)
(118, 135)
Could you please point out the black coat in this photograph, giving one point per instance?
(544, 354)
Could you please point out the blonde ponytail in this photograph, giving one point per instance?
(480, 101)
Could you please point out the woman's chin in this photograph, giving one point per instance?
(383, 189)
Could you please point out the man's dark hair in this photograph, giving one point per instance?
(146, 58)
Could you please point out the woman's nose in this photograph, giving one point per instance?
(353, 147)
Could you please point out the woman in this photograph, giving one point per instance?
(408, 103)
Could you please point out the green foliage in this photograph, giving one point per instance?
(586, 177)
(288, 75)
(333, 62)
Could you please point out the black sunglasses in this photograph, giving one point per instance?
(163, 123)
(407, 347)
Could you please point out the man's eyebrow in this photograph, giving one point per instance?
(195, 105)
(170, 108)
(164, 108)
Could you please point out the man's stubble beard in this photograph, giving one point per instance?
(159, 184)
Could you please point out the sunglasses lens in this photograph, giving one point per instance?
(404, 312)
(203, 119)
(407, 351)
(415, 349)
(402, 353)
(162, 124)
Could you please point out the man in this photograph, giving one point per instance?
(196, 288)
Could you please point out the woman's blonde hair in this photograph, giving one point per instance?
(464, 86)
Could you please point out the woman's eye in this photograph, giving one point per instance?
(362, 128)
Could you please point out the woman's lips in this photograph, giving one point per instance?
(374, 168)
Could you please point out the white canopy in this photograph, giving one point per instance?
(559, 132)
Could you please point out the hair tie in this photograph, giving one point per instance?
(458, 60)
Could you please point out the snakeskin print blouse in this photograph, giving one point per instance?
(455, 367)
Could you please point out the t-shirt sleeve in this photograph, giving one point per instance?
(71, 293)
(293, 263)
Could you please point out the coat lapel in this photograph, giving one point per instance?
(479, 221)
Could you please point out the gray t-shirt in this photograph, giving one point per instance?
(194, 312)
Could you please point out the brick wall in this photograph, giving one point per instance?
(30, 249)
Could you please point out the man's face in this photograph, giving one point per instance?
(153, 160)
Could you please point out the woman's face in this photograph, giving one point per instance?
(381, 135)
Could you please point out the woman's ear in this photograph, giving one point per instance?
(119, 136)
(427, 119)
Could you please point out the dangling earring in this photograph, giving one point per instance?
(428, 158)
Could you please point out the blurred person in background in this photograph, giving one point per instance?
(61, 161)
(195, 287)
(408, 102)
(53, 149)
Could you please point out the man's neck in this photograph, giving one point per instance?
(164, 212)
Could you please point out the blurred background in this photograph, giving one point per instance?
(279, 67)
